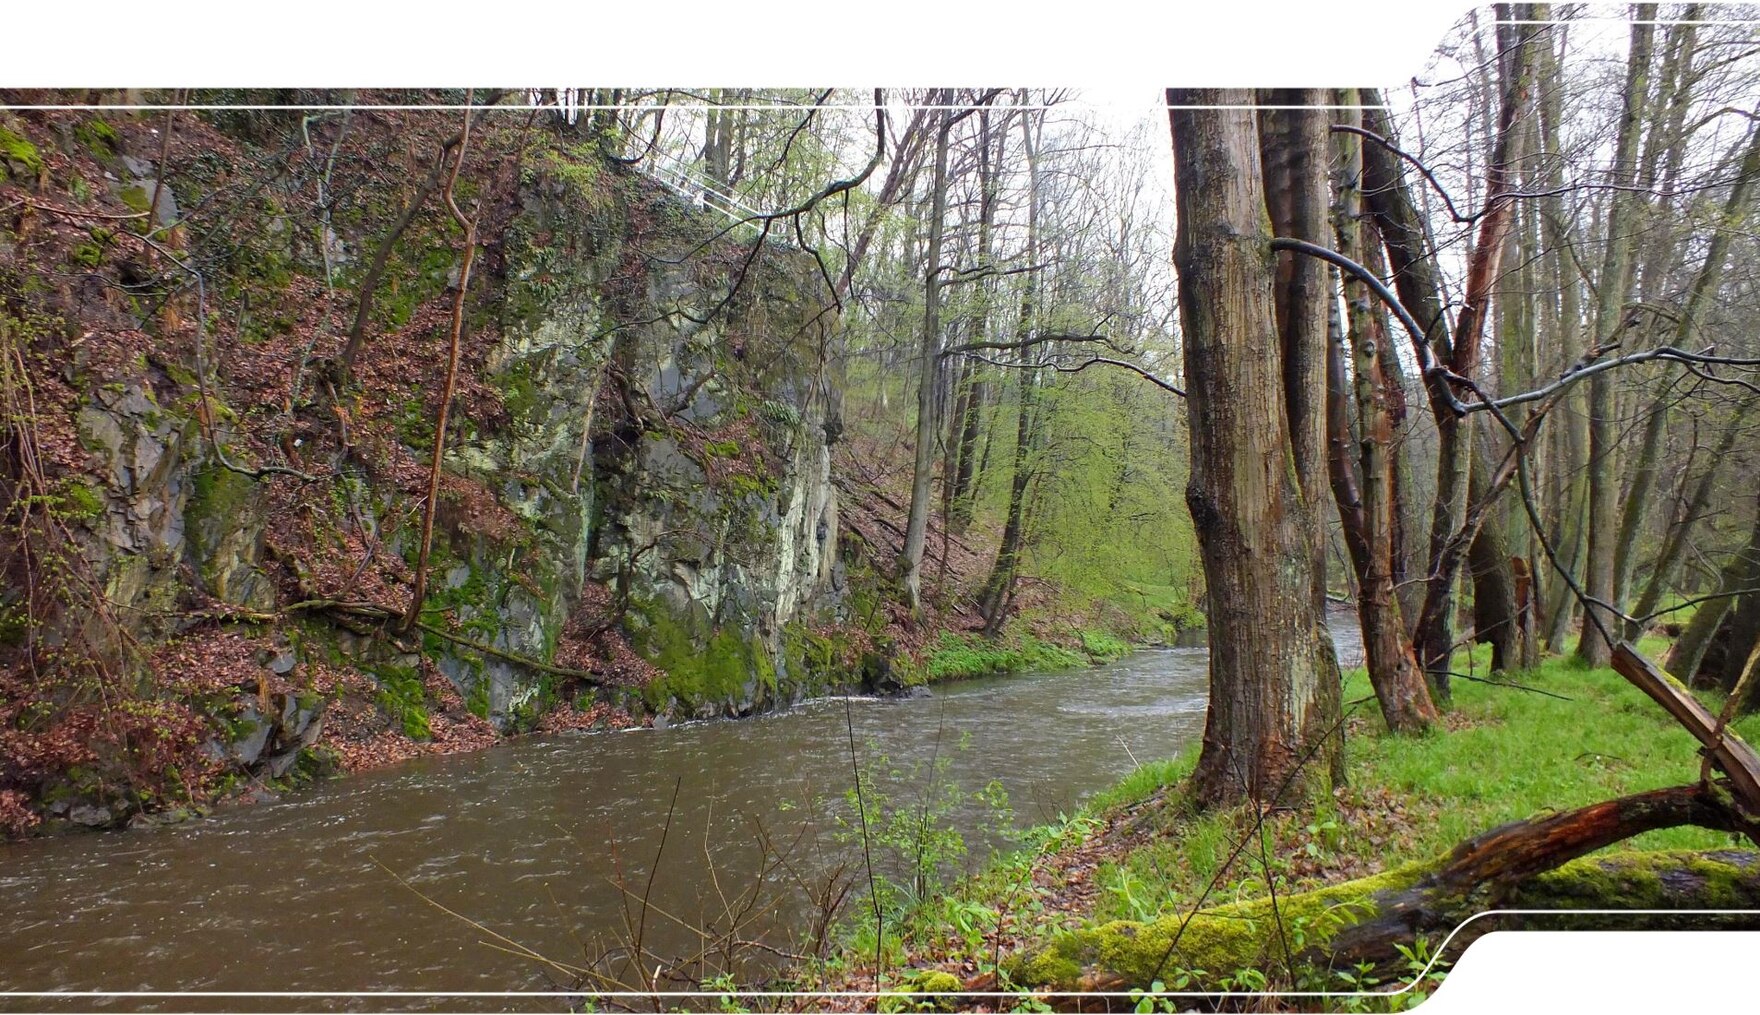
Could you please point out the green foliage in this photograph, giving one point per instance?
(913, 837)
(962, 656)
(1520, 754)
(1510, 756)
(1102, 646)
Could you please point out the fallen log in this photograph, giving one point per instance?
(1723, 748)
(1538, 864)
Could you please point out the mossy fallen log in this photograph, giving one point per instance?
(1539, 864)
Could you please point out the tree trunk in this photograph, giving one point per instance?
(1639, 492)
(929, 376)
(1451, 532)
(1675, 544)
(998, 589)
(1615, 282)
(1570, 433)
(1367, 509)
(1497, 613)
(1741, 572)
(972, 387)
(1268, 716)
(1295, 156)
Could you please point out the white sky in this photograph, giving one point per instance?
(344, 43)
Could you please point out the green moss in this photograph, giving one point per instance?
(1636, 879)
(137, 197)
(1217, 942)
(18, 155)
(402, 697)
(86, 255)
(697, 671)
(98, 137)
(814, 661)
(935, 985)
(219, 495)
(477, 703)
(473, 607)
(80, 500)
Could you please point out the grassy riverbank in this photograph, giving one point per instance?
(1137, 852)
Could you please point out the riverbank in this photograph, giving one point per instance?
(1137, 853)
(351, 737)
(550, 840)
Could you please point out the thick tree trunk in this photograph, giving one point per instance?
(1727, 658)
(1269, 729)
(1295, 155)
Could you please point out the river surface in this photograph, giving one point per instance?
(551, 841)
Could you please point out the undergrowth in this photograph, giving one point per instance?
(1507, 754)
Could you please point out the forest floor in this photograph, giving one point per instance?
(1137, 852)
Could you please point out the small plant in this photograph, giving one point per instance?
(919, 837)
(729, 1000)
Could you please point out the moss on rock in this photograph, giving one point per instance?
(18, 155)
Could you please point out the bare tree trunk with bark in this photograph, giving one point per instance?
(1269, 727)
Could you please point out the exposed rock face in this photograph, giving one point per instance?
(647, 456)
(678, 469)
(635, 515)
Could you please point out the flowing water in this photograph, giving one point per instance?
(551, 842)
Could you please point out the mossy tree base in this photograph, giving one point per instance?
(1536, 864)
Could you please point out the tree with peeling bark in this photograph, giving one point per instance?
(1366, 506)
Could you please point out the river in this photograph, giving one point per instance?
(550, 841)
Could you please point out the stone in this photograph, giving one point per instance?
(248, 749)
(91, 816)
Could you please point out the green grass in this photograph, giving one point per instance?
(1514, 754)
(1508, 754)
(1527, 753)
(958, 657)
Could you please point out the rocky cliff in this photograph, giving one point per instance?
(217, 513)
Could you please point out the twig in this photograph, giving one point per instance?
(1510, 684)
(849, 725)
(648, 890)
(442, 414)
